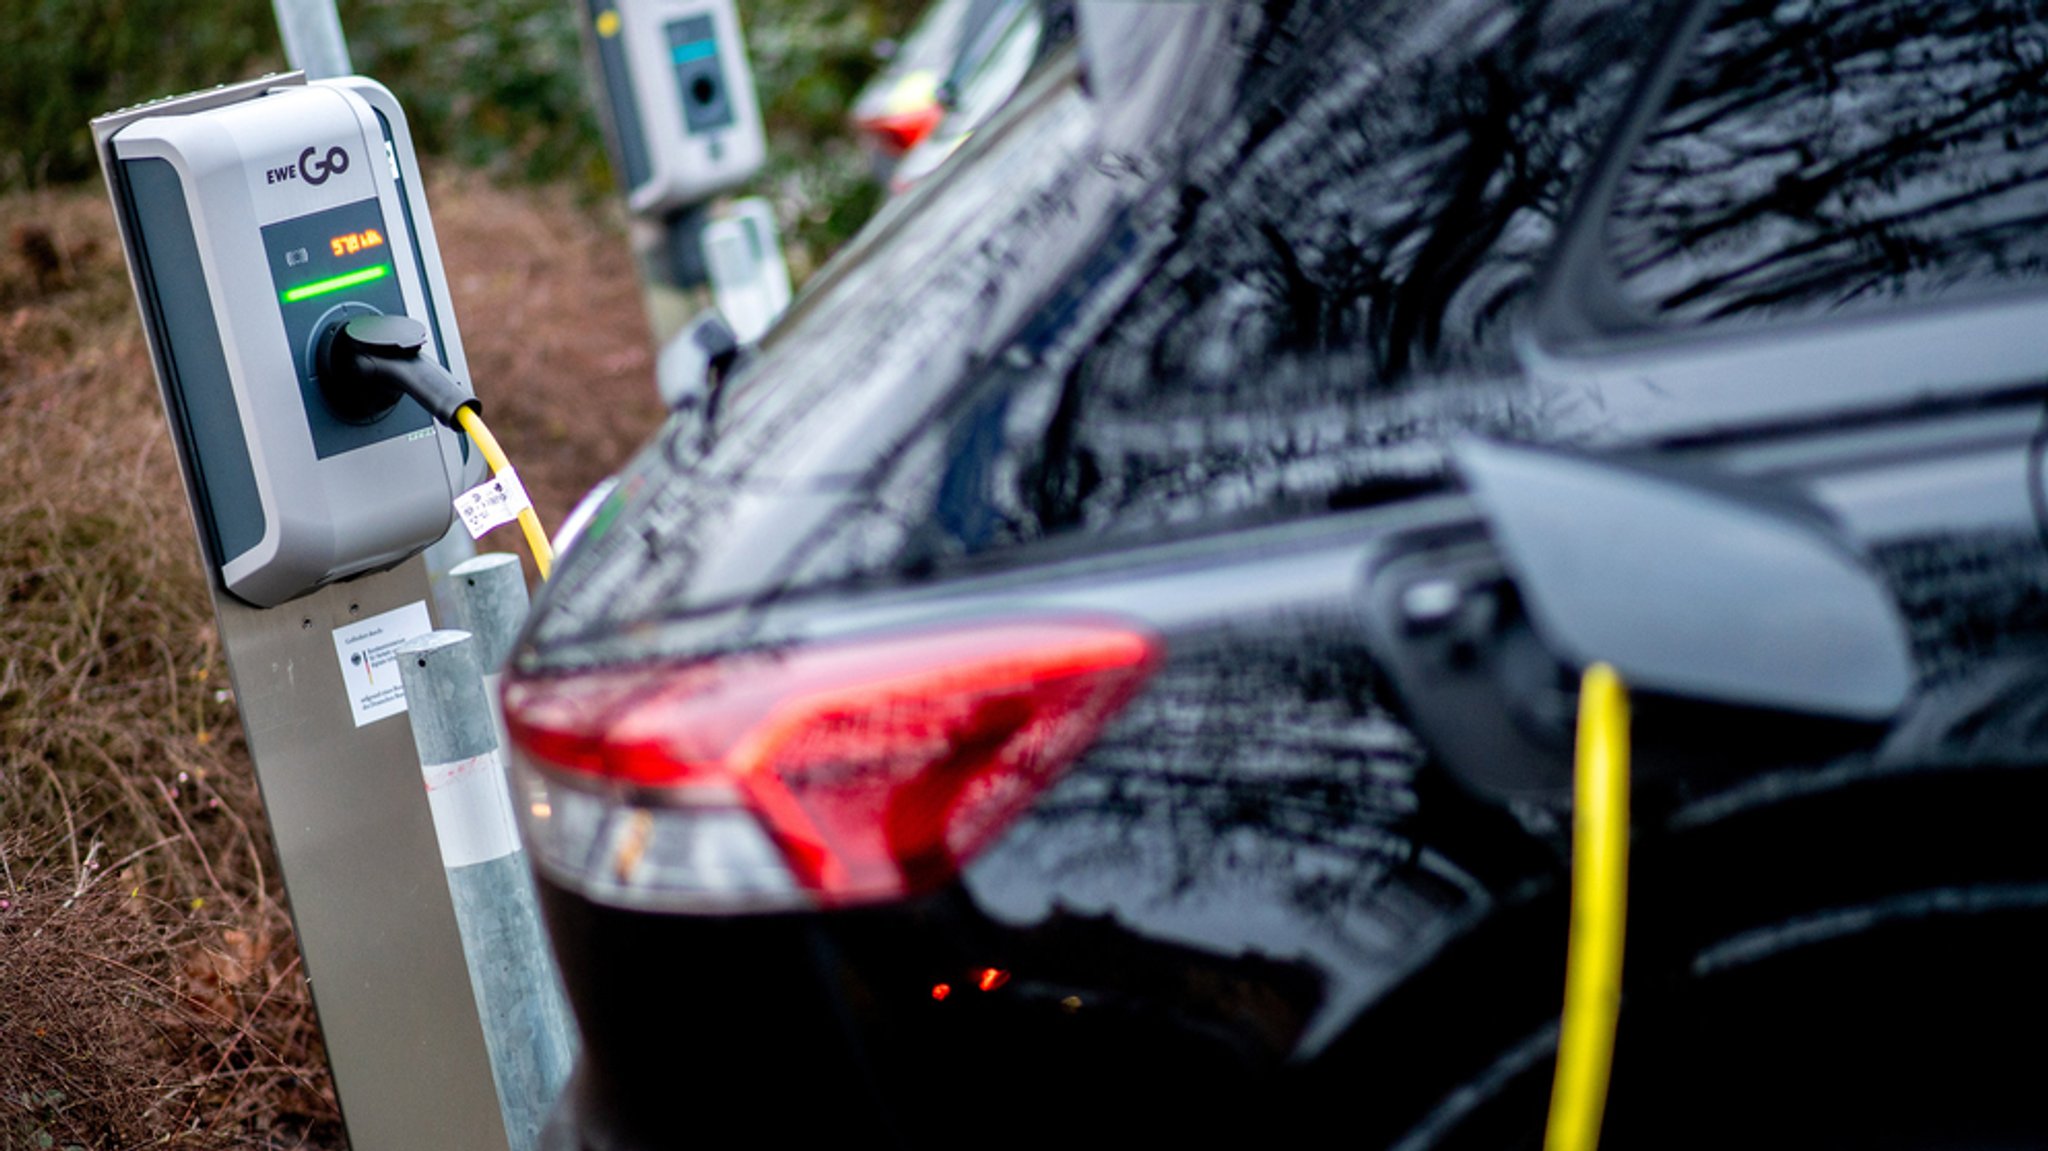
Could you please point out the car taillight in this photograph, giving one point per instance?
(899, 131)
(829, 774)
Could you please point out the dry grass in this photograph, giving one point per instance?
(150, 990)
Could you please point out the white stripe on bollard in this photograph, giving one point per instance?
(472, 805)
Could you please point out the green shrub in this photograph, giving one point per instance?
(497, 86)
(71, 60)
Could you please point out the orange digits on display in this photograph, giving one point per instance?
(349, 243)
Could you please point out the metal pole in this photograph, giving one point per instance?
(525, 1020)
(313, 42)
(488, 595)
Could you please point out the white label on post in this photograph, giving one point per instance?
(368, 650)
(492, 503)
(472, 805)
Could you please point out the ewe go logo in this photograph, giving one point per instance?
(313, 167)
(334, 163)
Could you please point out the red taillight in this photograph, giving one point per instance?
(899, 132)
(876, 767)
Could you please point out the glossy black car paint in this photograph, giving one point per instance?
(1184, 348)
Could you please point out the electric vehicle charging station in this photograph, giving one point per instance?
(682, 119)
(258, 228)
(682, 126)
(263, 222)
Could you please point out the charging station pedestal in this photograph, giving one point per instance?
(255, 218)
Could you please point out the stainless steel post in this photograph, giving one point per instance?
(451, 549)
(313, 41)
(525, 1020)
(382, 951)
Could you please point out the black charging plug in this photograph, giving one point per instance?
(367, 363)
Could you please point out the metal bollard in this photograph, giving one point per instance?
(450, 550)
(526, 1022)
(486, 597)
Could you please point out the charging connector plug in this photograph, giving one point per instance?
(366, 364)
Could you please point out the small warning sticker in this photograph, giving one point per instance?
(369, 651)
(493, 503)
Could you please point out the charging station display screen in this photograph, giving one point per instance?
(693, 50)
(329, 267)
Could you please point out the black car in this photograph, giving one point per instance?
(1104, 674)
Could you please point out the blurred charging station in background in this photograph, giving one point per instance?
(681, 117)
(683, 127)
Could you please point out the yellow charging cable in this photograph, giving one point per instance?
(529, 523)
(1592, 981)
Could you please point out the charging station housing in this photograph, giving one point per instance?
(253, 228)
(681, 116)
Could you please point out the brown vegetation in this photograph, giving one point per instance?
(150, 989)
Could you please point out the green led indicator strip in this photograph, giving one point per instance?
(336, 283)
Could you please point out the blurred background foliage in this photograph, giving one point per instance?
(70, 60)
(495, 85)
